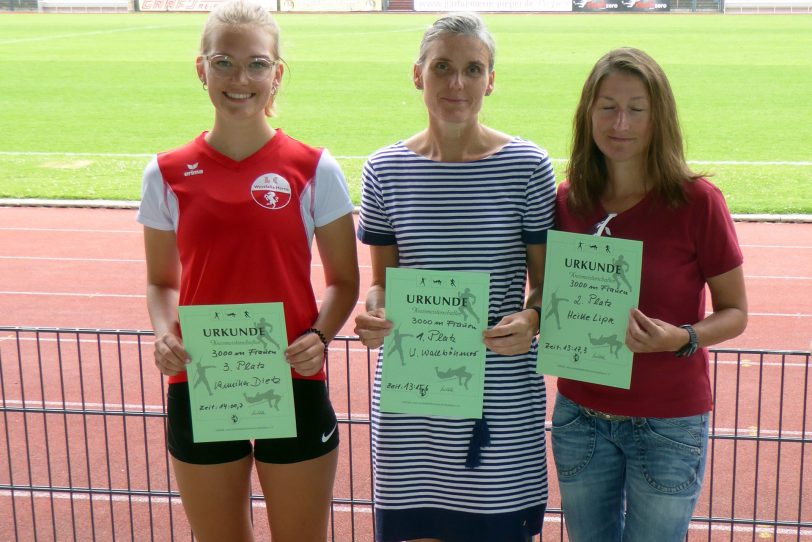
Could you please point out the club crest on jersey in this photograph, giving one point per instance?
(271, 191)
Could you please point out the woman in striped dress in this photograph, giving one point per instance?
(462, 196)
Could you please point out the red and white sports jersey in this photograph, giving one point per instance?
(244, 228)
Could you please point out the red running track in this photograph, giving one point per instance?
(65, 267)
(84, 268)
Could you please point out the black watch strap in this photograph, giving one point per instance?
(692, 344)
(538, 311)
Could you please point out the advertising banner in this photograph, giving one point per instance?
(492, 5)
(57, 5)
(621, 5)
(191, 5)
(331, 5)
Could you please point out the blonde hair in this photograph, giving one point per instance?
(458, 24)
(238, 13)
(666, 168)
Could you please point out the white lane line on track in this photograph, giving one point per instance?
(62, 259)
(75, 294)
(358, 303)
(789, 247)
(778, 314)
(140, 231)
(114, 260)
(138, 499)
(758, 530)
(775, 277)
(67, 338)
(135, 408)
(97, 295)
(356, 416)
(77, 405)
(364, 509)
(315, 265)
(68, 230)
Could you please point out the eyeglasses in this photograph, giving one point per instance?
(256, 68)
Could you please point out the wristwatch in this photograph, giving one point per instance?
(692, 344)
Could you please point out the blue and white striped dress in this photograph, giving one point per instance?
(471, 216)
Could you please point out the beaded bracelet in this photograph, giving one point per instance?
(318, 332)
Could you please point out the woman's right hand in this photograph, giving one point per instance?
(371, 327)
(170, 355)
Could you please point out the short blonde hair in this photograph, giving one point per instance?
(242, 13)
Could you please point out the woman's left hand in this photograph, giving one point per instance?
(513, 334)
(646, 335)
(306, 354)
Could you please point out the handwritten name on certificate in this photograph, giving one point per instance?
(434, 359)
(239, 382)
(590, 284)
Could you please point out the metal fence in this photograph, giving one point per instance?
(83, 456)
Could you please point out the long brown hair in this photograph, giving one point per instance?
(666, 168)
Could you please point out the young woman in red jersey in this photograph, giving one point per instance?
(217, 231)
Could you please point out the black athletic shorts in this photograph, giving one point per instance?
(316, 430)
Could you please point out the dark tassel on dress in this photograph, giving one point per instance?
(480, 436)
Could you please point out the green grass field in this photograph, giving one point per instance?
(86, 98)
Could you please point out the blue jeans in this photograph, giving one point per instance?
(632, 481)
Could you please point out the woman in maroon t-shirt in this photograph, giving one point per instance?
(630, 462)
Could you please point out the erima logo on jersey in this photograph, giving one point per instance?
(271, 191)
(192, 170)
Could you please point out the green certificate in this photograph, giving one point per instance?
(239, 382)
(434, 359)
(590, 284)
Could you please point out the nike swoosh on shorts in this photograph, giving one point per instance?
(326, 437)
